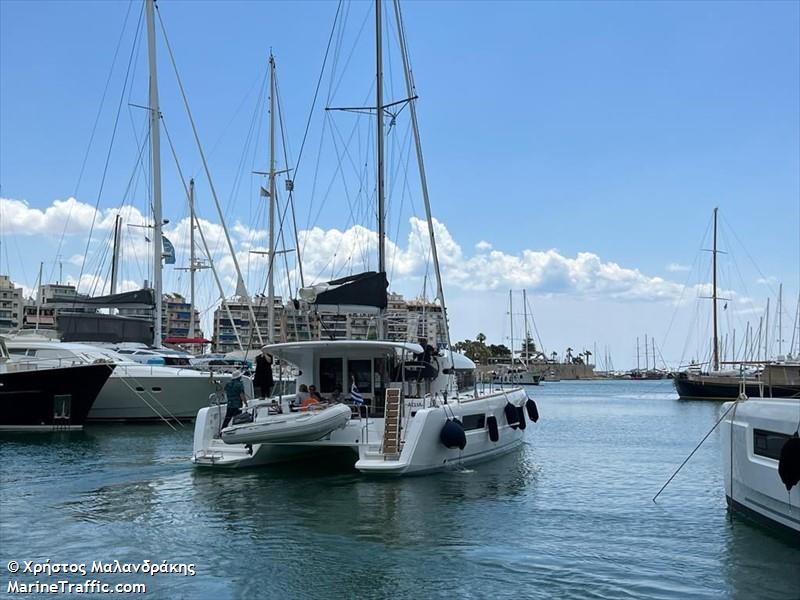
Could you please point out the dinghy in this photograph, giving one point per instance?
(305, 426)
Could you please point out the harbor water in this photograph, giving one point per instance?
(569, 516)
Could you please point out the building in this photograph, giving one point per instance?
(11, 304)
(177, 315)
(38, 315)
(404, 321)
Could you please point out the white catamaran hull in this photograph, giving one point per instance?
(421, 451)
(752, 483)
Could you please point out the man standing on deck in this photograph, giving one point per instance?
(263, 379)
(234, 392)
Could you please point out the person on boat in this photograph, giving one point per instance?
(234, 392)
(313, 393)
(301, 395)
(336, 395)
(428, 352)
(263, 379)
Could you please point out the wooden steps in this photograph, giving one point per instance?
(391, 426)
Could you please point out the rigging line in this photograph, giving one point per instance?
(94, 129)
(108, 158)
(290, 199)
(335, 88)
(752, 260)
(705, 437)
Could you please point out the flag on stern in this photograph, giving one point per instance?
(357, 398)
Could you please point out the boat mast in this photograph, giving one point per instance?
(525, 313)
(646, 357)
(780, 319)
(653, 341)
(379, 147)
(766, 334)
(192, 259)
(39, 297)
(155, 141)
(272, 192)
(511, 319)
(715, 348)
(412, 105)
(638, 367)
(115, 254)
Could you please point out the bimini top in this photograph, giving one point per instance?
(293, 350)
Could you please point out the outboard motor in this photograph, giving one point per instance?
(512, 415)
(491, 423)
(453, 434)
(789, 462)
(533, 411)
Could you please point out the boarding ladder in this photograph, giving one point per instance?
(391, 425)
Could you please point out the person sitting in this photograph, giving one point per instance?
(312, 391)
(336, 395)
(301, 395)
(234, 392)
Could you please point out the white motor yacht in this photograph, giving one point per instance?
(407, 417)
(135, 391)
(761, 460)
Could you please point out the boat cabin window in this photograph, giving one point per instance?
(768, 443)
(360, 373)
(330, 375)
(474, 421)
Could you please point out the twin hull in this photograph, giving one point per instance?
(422, 451)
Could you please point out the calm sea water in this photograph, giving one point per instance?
(569, 516)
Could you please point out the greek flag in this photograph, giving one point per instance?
(357, 398)
(168, 251)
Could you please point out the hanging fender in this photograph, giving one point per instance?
(533, 411)
(491, 424)
(453, 435)
(512, 415)
(789, 462)
(522, 423)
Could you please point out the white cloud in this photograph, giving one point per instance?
(678, 268)
(483, 246)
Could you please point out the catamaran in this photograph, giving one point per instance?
(393, 406)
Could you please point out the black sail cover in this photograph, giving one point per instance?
(364, 289)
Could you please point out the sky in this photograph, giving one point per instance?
(573, 149)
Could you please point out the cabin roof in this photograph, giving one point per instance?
(293, 350)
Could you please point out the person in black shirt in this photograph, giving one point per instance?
(263, 380)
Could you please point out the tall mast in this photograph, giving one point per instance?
(115, 254)
(39, 297)
(192, 259)
(715, 348)
(638, 367)
(155, 140)
(653, 341)
(646, 357)
(780, 319)
(766, 333)
(412, 105)
(379, 133)
(272, 192)
(525, 313)
(511, 319)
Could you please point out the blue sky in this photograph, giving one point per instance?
(604, 128)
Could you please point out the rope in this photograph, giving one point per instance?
(696, 448)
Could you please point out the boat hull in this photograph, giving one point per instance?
(713, 389)
(752, 484)
(145, 394)
(50, 399)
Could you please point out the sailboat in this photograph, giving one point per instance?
(407, 415)
(775, 379)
